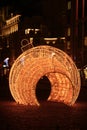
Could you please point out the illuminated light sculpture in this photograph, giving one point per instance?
(41, 61)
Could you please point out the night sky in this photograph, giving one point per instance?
(26, 7)
(35, 7)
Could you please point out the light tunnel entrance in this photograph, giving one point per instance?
(57, 68)
(43, 89)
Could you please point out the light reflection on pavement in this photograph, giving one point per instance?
(49, 116)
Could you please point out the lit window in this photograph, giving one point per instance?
(69, 5)
(85, 41)
(68, 45)
(85, 72)
(47, 42)
(68, 31)
(54, 42)
(27, 31)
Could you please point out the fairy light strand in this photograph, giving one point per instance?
(38, 61)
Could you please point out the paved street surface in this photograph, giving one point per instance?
(49, 116)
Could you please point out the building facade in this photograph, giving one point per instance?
(76, 32)
(71, 24)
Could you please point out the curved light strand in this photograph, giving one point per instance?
(36, 62)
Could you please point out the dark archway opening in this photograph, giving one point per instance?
(43, 89)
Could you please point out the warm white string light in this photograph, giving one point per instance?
(41, 61)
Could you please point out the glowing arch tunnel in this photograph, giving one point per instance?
(41, 61)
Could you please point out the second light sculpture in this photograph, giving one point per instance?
(41, 61)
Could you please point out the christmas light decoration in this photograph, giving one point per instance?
(41, 61)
